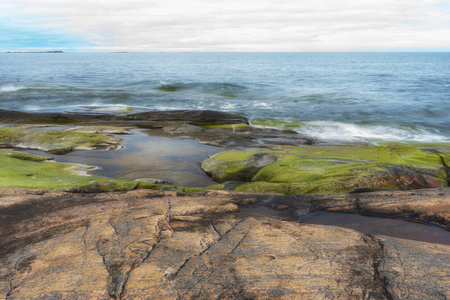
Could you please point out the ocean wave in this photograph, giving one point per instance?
(346, 131)
(173, 87)
(10, 88)
(262, 105)
(228, 106)
(219, 88)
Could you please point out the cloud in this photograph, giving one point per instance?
(252, 25)
(23, 32)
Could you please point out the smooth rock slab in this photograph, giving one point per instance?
(161, 245)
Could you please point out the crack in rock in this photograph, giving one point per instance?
(446, 167)
(378, 278)
(192, 258)
(120, 261)
(240, 241)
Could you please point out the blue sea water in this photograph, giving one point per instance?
(370, 96)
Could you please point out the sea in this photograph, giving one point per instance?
(400, 97)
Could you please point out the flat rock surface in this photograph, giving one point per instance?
(430, 206)
(144, 119)
(162, 245)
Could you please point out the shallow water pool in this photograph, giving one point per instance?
(143, 156)
(365, 224)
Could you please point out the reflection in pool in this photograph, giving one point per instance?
(143, 156)
(382, 226)
(365, 224)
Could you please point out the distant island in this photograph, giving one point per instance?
(56, 51)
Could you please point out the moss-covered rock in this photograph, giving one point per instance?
(237, 165)
(329, 169)
(55, 141)
(105, 186)
(101, 129)
(24, 170)
(445, 155)
(28, 156)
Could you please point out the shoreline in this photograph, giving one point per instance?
(69, 236)
(249, 159)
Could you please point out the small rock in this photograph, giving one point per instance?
(153, 181)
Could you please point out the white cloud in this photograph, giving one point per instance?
(252, 25)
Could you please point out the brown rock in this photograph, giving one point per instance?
(430, 206)
(144, 119)
(159, 245)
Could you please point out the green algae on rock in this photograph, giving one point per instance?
(28, 156)
(101, 129)
(237, 165)
(329, 169)
(24, 170)
(55, 141)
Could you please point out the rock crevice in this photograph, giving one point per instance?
(137, 245)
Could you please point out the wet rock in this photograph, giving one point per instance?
(236, 165)
(329, 169)
(101, 129)
(149, 244)
(235, 136)
(26, 170)
(183, 129)
(104, 186)
(208, 127)
(148, 119)
(153, 181)
(55, 141)
(430, 206)
(194, 117)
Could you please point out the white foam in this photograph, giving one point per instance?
(263, 105)
(107, 107)
(346, 131)
(165, 108)
(32, 107)
(10, 88)
(228, 106)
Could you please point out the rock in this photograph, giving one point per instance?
(193, 117)
(236, 165)
(163, 245)
(104, 186)
(183, 129)
(27, 156)
(235, 136)
(153, 181)
(429, 206)
(329, 169)
(149, 119)
(101, 129)
(25, 170)
(55, 141)
(208, 127)
(400, 261)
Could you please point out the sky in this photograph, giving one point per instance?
(225, 25)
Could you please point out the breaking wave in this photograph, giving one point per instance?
(10, 88)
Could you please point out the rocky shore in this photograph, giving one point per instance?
(63, 237)
(166, 245)
(253, 159)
